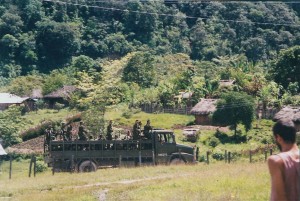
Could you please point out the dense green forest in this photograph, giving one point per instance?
(157, 48)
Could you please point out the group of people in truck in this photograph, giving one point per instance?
(65, 133)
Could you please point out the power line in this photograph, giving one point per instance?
(202, 2)
(170, 15)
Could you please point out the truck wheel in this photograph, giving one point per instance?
(177, 161)
(87, 166)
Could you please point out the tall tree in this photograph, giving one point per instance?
(140, 69)
(287, 67)
(56, 43)
(234, 108)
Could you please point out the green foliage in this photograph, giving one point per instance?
(85, 63)
(10, 122)
(45, 36)
(218, 155)
(56, 43)
(140, 70)
(24, 85)
(237, 108)
(93, 119)
(54, 81)
(287, 67)
(213, 141)
(40, 167)
(130, 112)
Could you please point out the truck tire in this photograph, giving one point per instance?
(87, 166)
(177, 161)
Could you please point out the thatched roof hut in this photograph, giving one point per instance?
(63, 92)
(61, 96)
(202, 111)
(289, 112)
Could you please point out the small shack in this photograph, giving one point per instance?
(61, 96)
(289, 112)
(203, 111)
(7, 99)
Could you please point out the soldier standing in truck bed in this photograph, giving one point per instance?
(136, 130)
(69, 133)
(147, 129)
(81, 132)
(109, 131)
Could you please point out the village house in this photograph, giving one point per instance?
(61, 96)
(7, 99)
(203, 111)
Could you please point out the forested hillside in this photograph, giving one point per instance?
(156, 47)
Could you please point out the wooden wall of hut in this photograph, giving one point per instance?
(203, 119)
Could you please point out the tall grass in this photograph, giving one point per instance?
(219, 181)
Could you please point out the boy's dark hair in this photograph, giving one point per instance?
(285, 128)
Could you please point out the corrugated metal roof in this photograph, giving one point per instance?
(7, 98)
(2, 151)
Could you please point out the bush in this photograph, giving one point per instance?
(213, 141)
(218, 156)
(202, 158)
(40, 166)
(127, 114)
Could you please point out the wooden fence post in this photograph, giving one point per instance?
(271, 151)
(250, 156)
(140, 158)
(266, 155)
(30, 166)
(229, 156)
(10, 165)
(34, 166)
(225, 156)
(207, 157)
(72, 164)
(53, 166)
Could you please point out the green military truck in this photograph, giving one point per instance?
(86, 156)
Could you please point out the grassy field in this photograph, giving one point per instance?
(218, 181)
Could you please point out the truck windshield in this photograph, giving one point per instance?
(167, 138)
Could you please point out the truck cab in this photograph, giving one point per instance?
(167, 151)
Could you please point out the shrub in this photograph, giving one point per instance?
(40, 166)
(127, 114)
(213, 141)
(218, 156)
